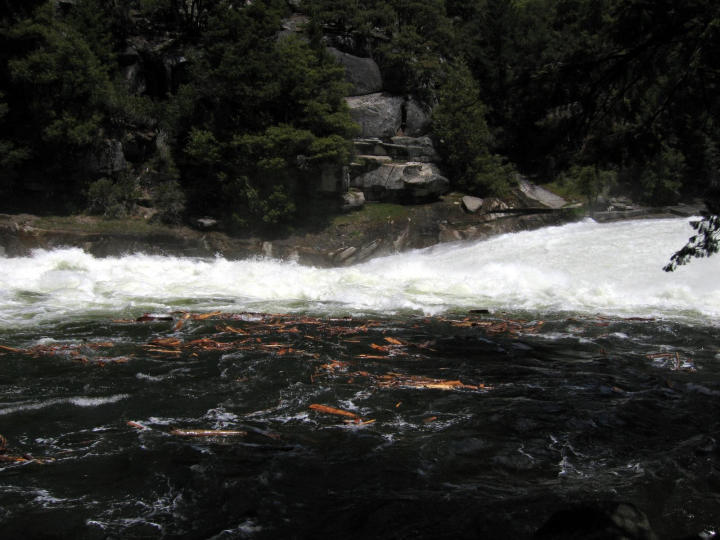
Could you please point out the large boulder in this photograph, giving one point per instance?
(379, 115)
(412, 149)
(353, 200)
(412, 181)
(417, 119)
(471, 204)
(362, 73)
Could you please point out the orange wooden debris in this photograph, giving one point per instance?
(181, 322)
(203, 316)
(360, 422)
(13, 459)
(332, 410)
(166, 342)
(228, 328)
(390, 380)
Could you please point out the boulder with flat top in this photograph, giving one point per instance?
(411, 181)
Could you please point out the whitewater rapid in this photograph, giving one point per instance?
(584, 267)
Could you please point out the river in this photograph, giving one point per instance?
(469, 390)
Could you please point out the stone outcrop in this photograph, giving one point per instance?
(471, 204)
(416, 119)
(540, 195)
(353, 200)
(399, 149)
(409, 181)
(379, 115)
(391, 166)
(362, 73)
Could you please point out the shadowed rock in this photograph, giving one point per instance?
(362, 73)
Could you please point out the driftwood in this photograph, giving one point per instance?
(332, 410)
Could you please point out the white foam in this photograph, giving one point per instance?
(79, 401)
(583, 267)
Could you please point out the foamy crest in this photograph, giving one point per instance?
(585, 267)
(79, 401)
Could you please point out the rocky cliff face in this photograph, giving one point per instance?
(395, 157)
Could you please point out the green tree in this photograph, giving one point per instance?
(463, 138)
(261, 117)
(56, 92)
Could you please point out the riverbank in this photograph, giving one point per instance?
(374, 230)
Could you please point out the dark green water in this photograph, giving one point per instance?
(580, 408)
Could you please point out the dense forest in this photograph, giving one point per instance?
(239, 117)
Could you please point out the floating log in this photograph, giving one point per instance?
(391, 380)
(203, 316)
(332, 410)
(13, 459)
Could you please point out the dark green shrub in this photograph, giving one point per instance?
(113, 199)
(169, 200)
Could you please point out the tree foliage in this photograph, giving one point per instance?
(464, 139)
(579, 89)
